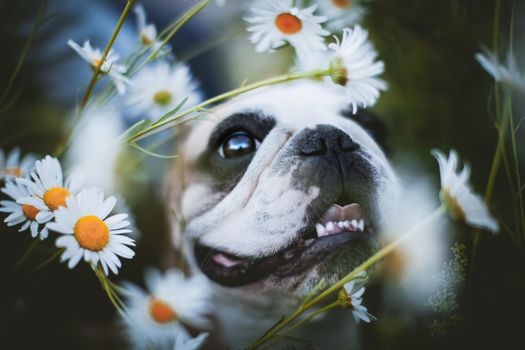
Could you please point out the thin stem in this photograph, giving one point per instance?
(438, 212)
(48, 261)
(516, 168)
(98, 68)
(271, 81)
(27, 253)
(310, 317)
(69, 134)
(301, 322)
(502, 125)
(175, 28)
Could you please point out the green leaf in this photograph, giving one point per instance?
(136, 128)
(170, 113)
(151, 153)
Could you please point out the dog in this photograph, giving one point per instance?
(273, 192)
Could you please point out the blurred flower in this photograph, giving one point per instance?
(147, 32)
(88, 231)
(47, 189)
(11, 165)
(341, 13)
(351, 297)
(95, 148)
(409, 268)
(461, 202)
(185, 342)
(508, 74)
(160, 88)
(157, 315)
(277, 22)
(109, 66)
(354, 67)
(21, 213)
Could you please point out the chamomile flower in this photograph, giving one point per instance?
(185, 342)
(341, 13)
(355, 67)
(160, 88)
(274, 23)
(351, 297)
(462, 203)
(147, 31)
(89, 233)
(507, 74)
(109, 66)
(11, 165)
(47, 188)
(21, 214)
(158, 315)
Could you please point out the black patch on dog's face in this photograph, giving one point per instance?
(226, 172)
(369, 121)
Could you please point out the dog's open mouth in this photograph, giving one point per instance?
(338, 228)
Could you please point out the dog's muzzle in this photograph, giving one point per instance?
(341, 217)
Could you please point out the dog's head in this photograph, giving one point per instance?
(281, 187)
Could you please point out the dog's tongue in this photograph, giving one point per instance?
(226, 261)
(338, 213)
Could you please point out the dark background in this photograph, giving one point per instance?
(439, 97)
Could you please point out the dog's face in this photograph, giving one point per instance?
(280, 188)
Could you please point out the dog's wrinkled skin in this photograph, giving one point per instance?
(311, 153)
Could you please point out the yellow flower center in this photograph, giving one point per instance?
(162, 97)
(146, 41)
(55, 197)
(12, 171)
(161, 312)
(453, 206)
(344, 299)
(341, 3)
(30, 212)
(288, 23)
(91, 233)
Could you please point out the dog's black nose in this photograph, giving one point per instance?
(325, 139)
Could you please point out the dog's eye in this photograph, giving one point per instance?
(238, 144)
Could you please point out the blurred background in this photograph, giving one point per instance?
(439, 97)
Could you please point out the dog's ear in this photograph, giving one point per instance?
(372, 124)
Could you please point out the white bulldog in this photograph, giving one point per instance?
(272, 192)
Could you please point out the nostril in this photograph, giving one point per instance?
(313, 147)
(347, 144)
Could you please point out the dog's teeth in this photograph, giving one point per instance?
(330, 226)
(361, 225)
(354, 224)
(309, 242)
(346, 224)
(320, 230)
(341, 224)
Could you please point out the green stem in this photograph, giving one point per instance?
(97, 70)
(48, 261)
(27, 253)
(175, 28)
(516, 168)
(502, 128)
(438, 212)
(301, 322)
(271, 81)
(69, 134)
